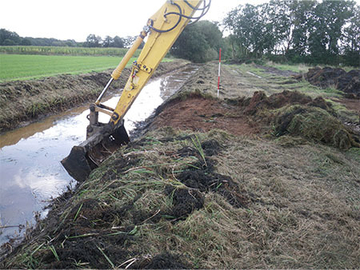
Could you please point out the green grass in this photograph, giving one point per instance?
(301, 68)
(23, 67)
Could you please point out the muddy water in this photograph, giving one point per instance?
(30, 170)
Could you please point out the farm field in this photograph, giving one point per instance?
(24, 67)
(54, 50)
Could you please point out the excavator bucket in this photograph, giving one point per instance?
(162, 29)
(92, 152)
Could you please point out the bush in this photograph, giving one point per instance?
(199, 42)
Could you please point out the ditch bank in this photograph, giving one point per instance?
(28, 101)
(213, 183)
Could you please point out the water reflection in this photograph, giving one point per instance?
(13, 137)
(30, 169)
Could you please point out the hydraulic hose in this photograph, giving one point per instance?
(204, 10)
(172, 28)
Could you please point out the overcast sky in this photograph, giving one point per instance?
(76, 19)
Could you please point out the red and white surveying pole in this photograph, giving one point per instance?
(218, 90)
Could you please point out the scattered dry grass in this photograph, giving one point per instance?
(302, 208)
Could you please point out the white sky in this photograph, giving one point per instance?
(76, 19)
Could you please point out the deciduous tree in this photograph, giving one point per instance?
(199, 42)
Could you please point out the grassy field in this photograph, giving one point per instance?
(23, 67)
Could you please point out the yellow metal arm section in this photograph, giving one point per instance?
(117, 72)
(157, 46)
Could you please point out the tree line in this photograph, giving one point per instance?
(8, 38)
(326, 32)
(109, 42)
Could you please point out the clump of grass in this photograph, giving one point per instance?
(313, 123)
(197, 144)
(344, 113)
(37, 108)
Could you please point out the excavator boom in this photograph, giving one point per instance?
(162, 29)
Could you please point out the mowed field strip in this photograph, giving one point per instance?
(24, 67)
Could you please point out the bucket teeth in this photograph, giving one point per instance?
(90, 154)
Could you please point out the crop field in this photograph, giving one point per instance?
(75, 51)
(23, 67)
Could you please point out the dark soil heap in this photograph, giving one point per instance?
(347, 82)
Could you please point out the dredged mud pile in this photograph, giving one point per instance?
(347, 82)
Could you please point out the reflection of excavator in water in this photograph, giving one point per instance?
(103, 139)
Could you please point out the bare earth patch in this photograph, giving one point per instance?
(202, 114)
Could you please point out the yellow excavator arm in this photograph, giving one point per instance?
(162, 30)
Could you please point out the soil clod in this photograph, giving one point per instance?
(185, 201)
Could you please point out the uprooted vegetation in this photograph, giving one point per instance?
(292, 113)
(267, 181)
(205, 200)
